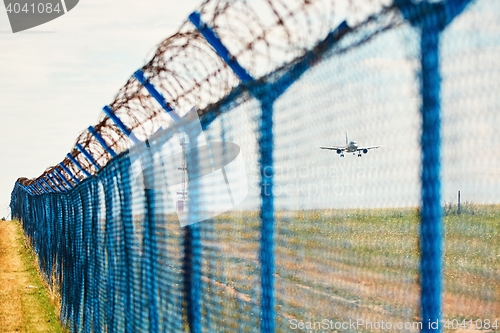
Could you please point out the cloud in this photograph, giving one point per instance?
(53, 85)
(390, 64)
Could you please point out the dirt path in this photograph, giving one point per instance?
(25, 305)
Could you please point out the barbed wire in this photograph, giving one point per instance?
(264, 36)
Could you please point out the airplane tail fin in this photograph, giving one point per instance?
(346, 140)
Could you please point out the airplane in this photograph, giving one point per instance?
(350, 147)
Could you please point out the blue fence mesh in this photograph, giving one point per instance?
(142, 229)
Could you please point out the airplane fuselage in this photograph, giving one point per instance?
(352, 147)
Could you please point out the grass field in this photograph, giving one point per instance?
(351, 264)
(25, 302)
(337, 265)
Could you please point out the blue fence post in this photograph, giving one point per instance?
(88, 156)
(192, 242)
(103, 143)
(46, 185)
(128, 132)
(431, 19)
(37, 189)
(192, 274)
(149, 237)
(50, 188)
(75, 200)
(127, 223)
(78, 165)
(89, 257)
(40, 188)
(110, 244)
(61, 180)
(139, 75)
(212, 38)
(61, 176)
(266, 147)
(267, 99)
(55, 182)
(95, 302)
(221, 50)
(151, 248)
(34, 189)
(431, 211)
(75, 179)
(30, 190)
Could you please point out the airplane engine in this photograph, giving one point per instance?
(339, 151)
(365, 151)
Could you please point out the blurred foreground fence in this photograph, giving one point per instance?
(241, 223)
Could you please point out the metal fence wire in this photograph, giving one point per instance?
(202, 202)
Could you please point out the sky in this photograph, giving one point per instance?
(372, 93)
(55, 78)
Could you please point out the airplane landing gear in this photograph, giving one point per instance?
(359, 154)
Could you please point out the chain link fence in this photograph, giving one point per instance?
(282, 166)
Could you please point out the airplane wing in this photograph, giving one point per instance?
(333, 148)
(370, 147)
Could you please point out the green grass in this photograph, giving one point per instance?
(39, 297)
(341, 264)
(337, 265)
